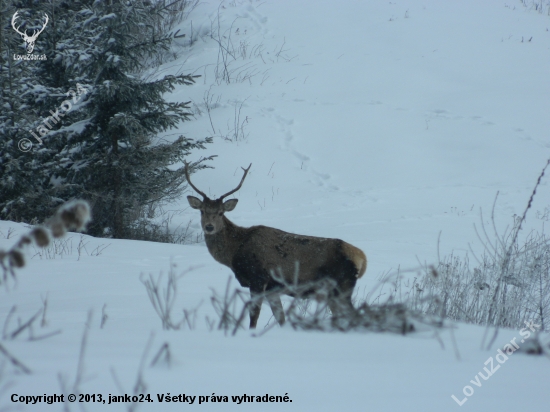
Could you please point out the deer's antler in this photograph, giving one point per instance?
(35, 34)
(17, 28)
(240, 184)
(190, 183)
(29, 39)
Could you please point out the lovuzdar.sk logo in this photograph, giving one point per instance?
(29, 39)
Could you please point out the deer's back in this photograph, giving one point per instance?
(263, 249)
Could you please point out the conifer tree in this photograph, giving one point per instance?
(25, 192)
(101, 110)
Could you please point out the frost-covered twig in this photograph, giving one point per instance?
(163, 296)
(505, 266)
(13, 360)
(73, 215)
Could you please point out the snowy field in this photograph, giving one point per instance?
(385, 124)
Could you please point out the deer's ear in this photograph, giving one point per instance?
(230, 204)
(194, 202)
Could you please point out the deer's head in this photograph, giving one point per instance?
(29, 39)
(212, 210)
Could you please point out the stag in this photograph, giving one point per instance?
(255, 253)
(29, 39)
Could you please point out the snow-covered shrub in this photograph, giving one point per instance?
(311, 311)
(465, 291)
(510, 284)
(542, 6)
(162, 292)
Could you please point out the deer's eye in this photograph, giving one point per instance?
(202, 212)
(221, 213)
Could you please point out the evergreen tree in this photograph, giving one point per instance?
(25, 192)
(98, 118)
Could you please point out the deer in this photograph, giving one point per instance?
(30, 40)
(256, 253)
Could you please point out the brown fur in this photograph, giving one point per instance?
(280, 250)
(357, 256)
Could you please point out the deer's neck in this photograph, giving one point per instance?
(224, 244)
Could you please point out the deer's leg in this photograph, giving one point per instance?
(342, 312)
(255, 307)
(276, 307)
(334, 308)
(340, 304)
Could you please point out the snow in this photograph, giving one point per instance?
(380, 123)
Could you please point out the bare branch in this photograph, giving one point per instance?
(14, 360)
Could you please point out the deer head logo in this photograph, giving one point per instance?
(29, 39)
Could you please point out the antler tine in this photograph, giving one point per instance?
(13, 19)
(44, 26)
(190, 183)
(240, 184)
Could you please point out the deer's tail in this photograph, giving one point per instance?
(358, 258)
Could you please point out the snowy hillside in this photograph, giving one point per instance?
(385, 124)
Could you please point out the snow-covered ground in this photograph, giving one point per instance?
(380, 123)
